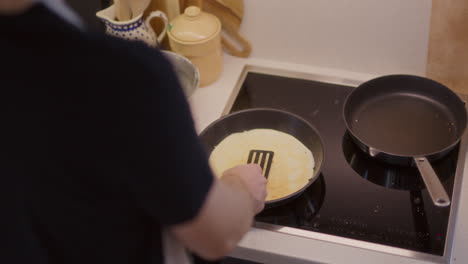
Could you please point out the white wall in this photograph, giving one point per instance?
(368, 36)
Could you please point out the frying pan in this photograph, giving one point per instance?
(270, 119)
(407, 120)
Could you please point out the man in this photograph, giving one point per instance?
(99, 159)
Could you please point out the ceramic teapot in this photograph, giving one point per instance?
(135, 28)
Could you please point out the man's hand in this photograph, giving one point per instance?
(227, 213)
(252, 179)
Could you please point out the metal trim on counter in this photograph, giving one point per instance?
(264, 246)
(256, 248)
(457, 189)
(283, 73)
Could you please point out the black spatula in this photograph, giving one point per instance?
(262, 157)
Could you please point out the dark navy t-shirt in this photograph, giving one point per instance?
(98, 149)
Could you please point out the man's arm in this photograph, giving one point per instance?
(227, 213)
(168, 163)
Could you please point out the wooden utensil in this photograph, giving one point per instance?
(138, 6)
(117, 9)
(172, 9)
(236, 6)
(230, 13)
(122, 10)
(188, 3)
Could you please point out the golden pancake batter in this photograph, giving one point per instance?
(293, 163)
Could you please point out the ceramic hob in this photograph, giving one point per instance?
(355, 196)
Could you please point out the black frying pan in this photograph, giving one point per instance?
(272, 119)
(406, 120)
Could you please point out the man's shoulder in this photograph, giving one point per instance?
(116, 52)
(121, 65)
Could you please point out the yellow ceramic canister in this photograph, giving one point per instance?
(197, 36)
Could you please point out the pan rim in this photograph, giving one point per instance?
(391, 76)
(317, 169)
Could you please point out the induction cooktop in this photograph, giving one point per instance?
(355, 197)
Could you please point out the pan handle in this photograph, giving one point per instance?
(432, 182)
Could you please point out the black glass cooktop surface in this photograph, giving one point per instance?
(355, 196)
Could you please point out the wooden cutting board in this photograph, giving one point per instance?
(230, 13)
(448, 44)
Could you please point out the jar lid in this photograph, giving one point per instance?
(194, 26)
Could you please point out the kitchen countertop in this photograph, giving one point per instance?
(265, 246)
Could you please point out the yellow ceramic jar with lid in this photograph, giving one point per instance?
(197, 36)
